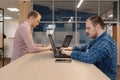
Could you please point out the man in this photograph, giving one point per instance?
(23, 41)
(101, 51)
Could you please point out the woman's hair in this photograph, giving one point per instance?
(33, 13)
(96, 20)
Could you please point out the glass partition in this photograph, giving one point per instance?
(63, 29)
(65, 18)
(108, 10)
(44, 8)
(87, 9)
(64, 11)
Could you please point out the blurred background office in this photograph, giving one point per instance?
(62, 17)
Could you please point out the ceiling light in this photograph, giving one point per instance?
(13, 9)
(7, 18)
(80, 2)
(111, 15)
(71, 19)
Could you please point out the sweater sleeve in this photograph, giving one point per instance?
(95, 53)
(80, 48)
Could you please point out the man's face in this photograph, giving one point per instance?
(91, 29)
(36, 21)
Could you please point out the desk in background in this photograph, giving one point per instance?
(42, 66)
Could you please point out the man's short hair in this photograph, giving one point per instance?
(97, 20)
(33, 13)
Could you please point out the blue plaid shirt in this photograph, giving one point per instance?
(102, 52)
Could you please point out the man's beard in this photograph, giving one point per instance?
(93, 36)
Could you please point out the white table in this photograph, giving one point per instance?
(42, 66)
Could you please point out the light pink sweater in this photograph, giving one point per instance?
(23, 41)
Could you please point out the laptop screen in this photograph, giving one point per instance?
(55, 50)
(52, 43)
(67, 40)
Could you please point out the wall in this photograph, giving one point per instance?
(10, 29)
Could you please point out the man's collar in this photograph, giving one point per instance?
(102, 35)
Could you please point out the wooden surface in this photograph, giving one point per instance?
(24, 7)
(42, 66)
(118, 45)
(0, 40)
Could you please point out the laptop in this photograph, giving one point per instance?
(57, 52)
(66, 41)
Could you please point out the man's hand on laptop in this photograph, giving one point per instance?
(67, 48)
(67, 52)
